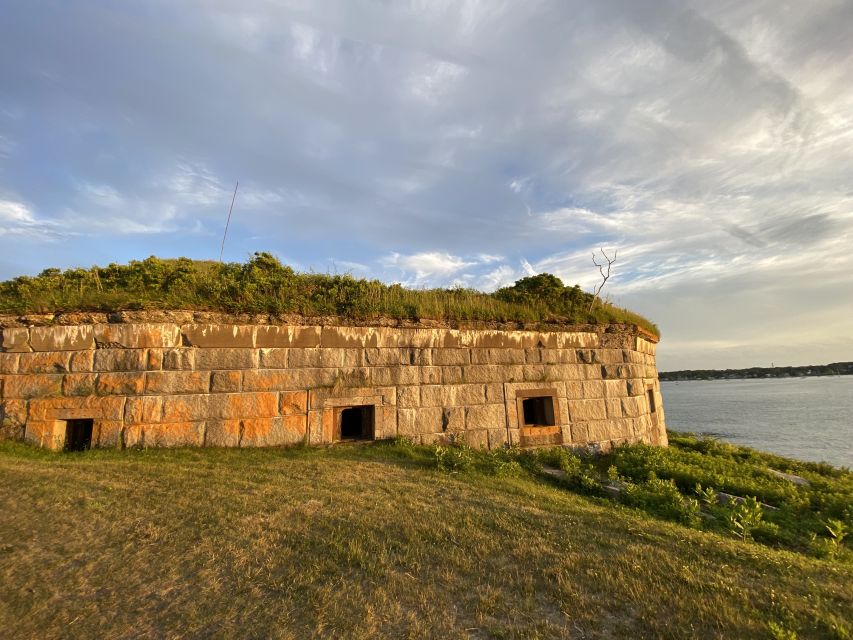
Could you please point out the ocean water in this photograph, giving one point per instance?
(804, 418)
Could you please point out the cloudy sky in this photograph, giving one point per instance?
(438, 142)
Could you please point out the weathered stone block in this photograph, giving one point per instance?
(225, 381)
(62, 338)
(39, 385)
(409, 397)
(558, 356)
(634, 406)
(610, 356)
(300, 358)
(181, 359)
(485, 416)
(616, 371)
(310, 378)
(614, 388)
(274, 358)
(478, 439)
(584, 410)
(294, 403)
(579, 432)
(381, 357)
(535, 373)
(78, 384)
(534, 356)
(432, 395)
(568, 340)
(498, 356)
(452, 419)
(431, 375)
(565, 371)
(495, 393)
(574, 389)
(154, 360)
(102, 408)
(427, 420)
(170, 434)
(218, 336)
(190, 408)
(349, 337)
(451, 357)
(48, 434)
(467, 395)
(592, 389)
(599, 430)
(82, 361)
(267, 380)
(125, 384)
(451, 375)
(294, 429)
(253, 432)
(272, 336)
(13, 412)
(9, 363)
(614, 407)
(143, 410)
(490, 373)
(497, 438)
(137, 336)
(405, 375)
(244, 405)
(226, 359)
(16, 339)
(107, 434)
(120, 360)
(171, 382)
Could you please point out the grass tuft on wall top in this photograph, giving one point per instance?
(264, 285)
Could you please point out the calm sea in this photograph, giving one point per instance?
(805, 418)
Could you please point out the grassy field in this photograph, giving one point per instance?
(264, 285)
(372, 541)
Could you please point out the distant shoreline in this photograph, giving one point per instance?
(834, 369)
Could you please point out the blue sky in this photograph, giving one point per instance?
(455, 142)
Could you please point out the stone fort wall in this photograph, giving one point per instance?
(245, 385)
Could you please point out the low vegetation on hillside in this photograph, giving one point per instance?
(264, 285)
(392, 540)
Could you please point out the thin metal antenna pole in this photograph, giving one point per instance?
(228, 222)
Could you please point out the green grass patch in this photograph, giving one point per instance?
(387, 540)
(264, 285)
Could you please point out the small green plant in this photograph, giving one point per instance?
(502, 462)
(780, 632)
(662, 498)
(453, 458)
(828, 547)
(745, 516)
(706, 495)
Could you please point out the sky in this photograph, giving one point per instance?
(455, 142)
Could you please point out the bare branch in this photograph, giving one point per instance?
(605, 275)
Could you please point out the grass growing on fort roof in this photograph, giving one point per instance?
(264, 285)
(386, 540)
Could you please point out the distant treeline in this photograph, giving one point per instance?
(834, 369)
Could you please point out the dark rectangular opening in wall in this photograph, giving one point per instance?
(357, 423)
(78, 434)
(652, 406)
(538, 411)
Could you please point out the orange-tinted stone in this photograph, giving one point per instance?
(124, 384)
(244, 405)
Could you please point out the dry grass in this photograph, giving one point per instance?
(366, 542)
